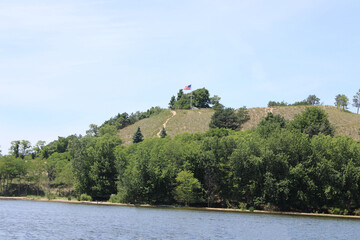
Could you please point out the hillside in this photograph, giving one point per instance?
(192, 121)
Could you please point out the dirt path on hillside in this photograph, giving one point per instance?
(164, 125)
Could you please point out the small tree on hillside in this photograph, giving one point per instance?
(243, 115)
(138, 137)
(163, 133)
(341, 101)
(313, 121)
(224, 118)
(356, 101)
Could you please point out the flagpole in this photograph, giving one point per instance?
(191, 100)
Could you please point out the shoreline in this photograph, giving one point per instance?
(186, 208)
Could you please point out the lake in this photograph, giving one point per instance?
(52, 220)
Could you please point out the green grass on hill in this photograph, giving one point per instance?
(346, 123)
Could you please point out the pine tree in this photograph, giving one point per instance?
(163, 133)
(138, 137)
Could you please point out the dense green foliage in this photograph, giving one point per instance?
(341, 101)
(228, 118)
(294, 166)
(138, 137)
(310, 100)
(200, 99)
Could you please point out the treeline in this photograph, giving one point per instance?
(200, 98)
(281, 165)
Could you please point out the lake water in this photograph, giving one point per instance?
(52, 220)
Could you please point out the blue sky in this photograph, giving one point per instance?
(67, 64)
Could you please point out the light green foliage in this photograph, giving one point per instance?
(188, 188)
(85, 197)
(341, 101)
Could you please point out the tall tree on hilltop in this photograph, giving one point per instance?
(356, 101)
(172, 102)
(313, 100)
(341, 101)
(138, 137)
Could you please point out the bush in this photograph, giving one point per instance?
(242, 205)
(357, 212)
(50, 195)
(85, 197)
(251, 209)
(114, 198)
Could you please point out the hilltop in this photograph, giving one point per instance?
(346, 123)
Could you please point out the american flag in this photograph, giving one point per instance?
(188, 87)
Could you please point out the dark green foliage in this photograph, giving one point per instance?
(200, 99)
(163, 133)
(270, 123)
(276, 166)
(224, 118)
(243, 115)
(123, 120)
(275, 104)
(138, 137)
(172, 102)
(313, 121)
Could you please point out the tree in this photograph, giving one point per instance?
(356, 101)
(188, 188)
(313, 121)
(201, 98)
(270, 123)
(243, 115)
(313, 100)
(163, 133)
(224, 118)
(15, 148)
(341, 101)
(93, 130)
(172, 102)
(138, 137)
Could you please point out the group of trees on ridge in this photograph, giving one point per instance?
(341, 100)
(293, 165)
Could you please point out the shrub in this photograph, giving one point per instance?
(357, 212)
(85, 197)
(50, 195)
(251, 209)
(242, 205)
(114, 198)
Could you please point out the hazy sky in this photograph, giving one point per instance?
(67, 64)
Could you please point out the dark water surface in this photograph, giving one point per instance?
(51, 220)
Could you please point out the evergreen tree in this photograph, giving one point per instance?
(163, 133)
(138, 137)
(172, 102)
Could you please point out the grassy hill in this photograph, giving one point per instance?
(192, 121)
